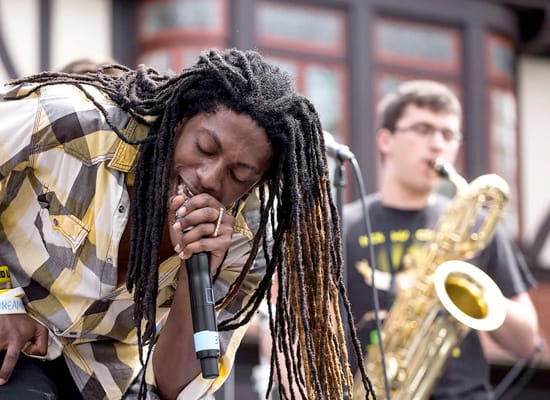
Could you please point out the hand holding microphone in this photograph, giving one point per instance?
(201, 295)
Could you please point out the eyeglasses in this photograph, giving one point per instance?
(426, 130)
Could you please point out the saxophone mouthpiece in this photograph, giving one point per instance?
(442, 168)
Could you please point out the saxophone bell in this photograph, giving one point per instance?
(469, 295)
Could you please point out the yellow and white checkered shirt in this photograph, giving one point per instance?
(63, 208)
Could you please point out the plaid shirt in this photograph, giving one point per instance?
(63, 208)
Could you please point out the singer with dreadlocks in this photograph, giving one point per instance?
(109, 184)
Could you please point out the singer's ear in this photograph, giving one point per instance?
(384, 139)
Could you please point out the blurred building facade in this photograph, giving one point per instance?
(344, 54)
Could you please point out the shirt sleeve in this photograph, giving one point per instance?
(503, 261)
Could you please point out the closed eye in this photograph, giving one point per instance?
(203, 150)
(244, 173)
(237, 179)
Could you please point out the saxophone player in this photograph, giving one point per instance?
(420, 122)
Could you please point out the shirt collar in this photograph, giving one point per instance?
(125, 155)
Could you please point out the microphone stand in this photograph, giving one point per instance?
(340, 183)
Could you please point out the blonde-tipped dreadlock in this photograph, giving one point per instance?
(296, 206)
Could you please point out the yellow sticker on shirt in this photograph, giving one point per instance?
(5, 281)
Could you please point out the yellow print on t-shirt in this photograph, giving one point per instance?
(404, 254)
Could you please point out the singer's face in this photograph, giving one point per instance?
(224, 154)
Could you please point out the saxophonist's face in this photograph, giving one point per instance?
(420, 137)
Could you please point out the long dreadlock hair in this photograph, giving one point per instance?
(296, 206)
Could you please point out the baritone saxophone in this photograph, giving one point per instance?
(451, 296)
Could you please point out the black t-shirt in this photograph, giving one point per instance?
(466, 375)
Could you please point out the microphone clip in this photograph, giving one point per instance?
(336, 150)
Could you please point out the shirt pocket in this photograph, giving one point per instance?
(63, 234)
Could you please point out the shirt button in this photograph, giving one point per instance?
(55, 222)
(121, 209)
(109, 260)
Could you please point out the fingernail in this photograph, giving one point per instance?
(180, 212)
(182, 255)
(177, 248)
(2, 381)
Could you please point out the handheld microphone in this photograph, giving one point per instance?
(205, 327)
(337, 150)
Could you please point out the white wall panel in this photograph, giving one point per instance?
(534, 101)
(20, 29)
(80, 28)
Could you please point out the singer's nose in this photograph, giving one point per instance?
(210, 176)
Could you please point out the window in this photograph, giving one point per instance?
(172, 33)
(294, 26)
(417, 45)
(200, 15)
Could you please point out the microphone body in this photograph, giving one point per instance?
(337, 150)
(205, 327)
